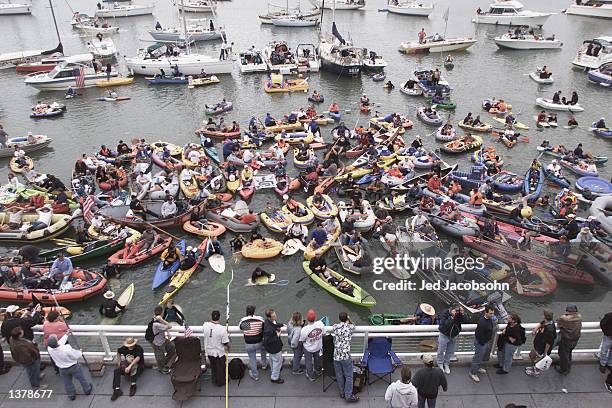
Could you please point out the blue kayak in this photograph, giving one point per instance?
(162, 275)
(167, 80)
(560, 181)
(335, 115)
(533, 187)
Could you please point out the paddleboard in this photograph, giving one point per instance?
(517, 125)
(117, 99)
(291, 246)
(124, 299)
(262, 280)
(217, 263)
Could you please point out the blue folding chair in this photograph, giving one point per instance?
(380, 360)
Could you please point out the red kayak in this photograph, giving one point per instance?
(365, 108)
(134, 254)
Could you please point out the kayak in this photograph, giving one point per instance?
(162, 275)
(358, 296)
(548, 104)
(181, 276)
(483, 127)
(116, 99)
(124, 299)
(517, 125)
(116, 81)
(543, 283)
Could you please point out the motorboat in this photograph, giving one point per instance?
(76, 71)
(594, 53)
(410, 8)
(307, 58)
(91, 25)
(437, 43)
(279, 57)
(527, 42)
(15, 8)
(198, 6)
(44, 65)
(252, 60)
(510, 12)
(130, 10)
(282, 11)
(339, 4)
(102, 47)
(602, 75)
(295, 21)
(591, 8)
(148, 61)
(374, 62)
(196, 31)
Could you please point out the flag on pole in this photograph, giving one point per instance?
(188, 330)
(445, 16)
(87, 209)
(80, 80)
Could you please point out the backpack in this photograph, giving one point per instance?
(149, 335)
(523, 338)
(236, 369)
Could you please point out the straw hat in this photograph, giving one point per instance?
(584, 230)
(427, 309)
(109, 294)
(130, 342)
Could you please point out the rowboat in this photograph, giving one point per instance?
(162, 275)
(59, 224)
(36, 142)
(133, 255)
(208, 229)
(181, 276)
(358, 296)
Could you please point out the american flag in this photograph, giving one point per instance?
(80, 80)
(252, 327)
(87, 209)
(188, 330)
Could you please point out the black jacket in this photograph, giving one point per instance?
(545, 336)
(427, 381)
(484, 330)
(606, 324)
(451, 326)
(252, 328)
(271, 340)
(26, 324)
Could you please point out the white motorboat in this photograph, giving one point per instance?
(93, 29)
(374, 63)
(148, 61)
(510, 12)
(307, 58)
(102, 48)
(279, 57)
(198, 6)
(283, 11)
(410, 8)
(130, 10)
(339, 4)
(252, 60)
(527, 42)
(594, 53)
(196, 31)
(549, 104)
(437, 44)
(295, 21)
(15, 8)
(591, 8)
(76, 71)
(537, 76)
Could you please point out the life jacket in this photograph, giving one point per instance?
(476, 199)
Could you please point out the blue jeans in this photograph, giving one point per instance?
(504, 357)
(446, 349)
(298, 352)
(605, 354)
(276, 361)
(33, 371)
(76, 372)
(313, 362)
(251, 350)
(479, 353)
(344, 377)
(431, 402)
(37, 225)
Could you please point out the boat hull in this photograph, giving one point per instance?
(203, 36)
(439, 46)
(528, 44)
(194, 67)
(58, 84)
(603, 11)
(15, 9)
(343, 70)
(423, 11)
(533, 20)
(128, 12)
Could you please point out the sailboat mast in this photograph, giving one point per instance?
(55, 22)
(184, 26)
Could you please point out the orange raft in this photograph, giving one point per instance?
(86, 284)
(210, 229)
(133, 254)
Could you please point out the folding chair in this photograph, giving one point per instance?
(380, 360)
(328, 361)
(186, 370)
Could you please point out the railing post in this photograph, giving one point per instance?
(108, 356)
(365, 343)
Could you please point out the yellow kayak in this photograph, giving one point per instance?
(116, 81)
(180, 277)
(262, 249)
(310, 251)
(328, 210)
(517, 125)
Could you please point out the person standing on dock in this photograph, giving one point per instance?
(312, 338)
(25, 352)
(163, 348)
(252, 330)
(570, 327)
(216, 345)
(343, 363)
(483, 335)
(67, 360)
(450, 327)
(273, 345)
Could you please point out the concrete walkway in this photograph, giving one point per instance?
(584, 389)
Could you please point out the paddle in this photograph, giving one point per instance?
(519, 287)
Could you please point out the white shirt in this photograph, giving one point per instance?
(418, 220)
(97, 222)
(247, 156)
(144, 178)
(194, 156)
(64, 355)
(168, 208)
(215, 337)
(19, 153)
(45, 216)
(312, 336)
(554, 169)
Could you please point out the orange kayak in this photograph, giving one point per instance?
(133, 255)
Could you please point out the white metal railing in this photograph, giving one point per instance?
(102, 341)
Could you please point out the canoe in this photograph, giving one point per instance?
(548, 104)
(536, 77)
(59, 224)
(459, 146)
(86, 284)
(262, 249)
(559, 181)
(358, 297)
(507, 182)
(209, 229)
(219, 108)
(329, 209)
(217, 134)
(181, 276)
(484, 127)
(80, 253)
(533, 188)
(310, 251)
(229, 221)
(116, 81)
(434, 120)
(162, 275)
(278, 221)
(516, 125)
(575, 168)
(124, 299)
(128, 257)
(16, 168)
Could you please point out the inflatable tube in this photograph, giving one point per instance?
(600, 207)
(597, 185)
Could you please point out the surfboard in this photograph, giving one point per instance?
(291, 246)
(217, 263)
(124, 299)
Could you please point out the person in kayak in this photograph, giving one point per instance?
(318, 236)
(214, 247)
(601, 124)
(171, 255)
(259, 273)
(110, 307)
(572, 121)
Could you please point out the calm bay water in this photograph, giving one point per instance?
(172, 113)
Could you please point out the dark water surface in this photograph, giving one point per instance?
(173, 112)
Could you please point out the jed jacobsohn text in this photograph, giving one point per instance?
(412, 264)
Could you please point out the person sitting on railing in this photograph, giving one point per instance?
(130, 362)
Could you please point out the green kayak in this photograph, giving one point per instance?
(79, 253)
(448, 105)
(387, 319)
(359, 296)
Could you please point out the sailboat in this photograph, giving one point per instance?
(14, 8)
(294, 19)
(149, 61)
(339, 4)
(13, 59)
(284, 11)
(339, 56)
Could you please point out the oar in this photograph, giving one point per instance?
(519, 287)
(157, 228)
